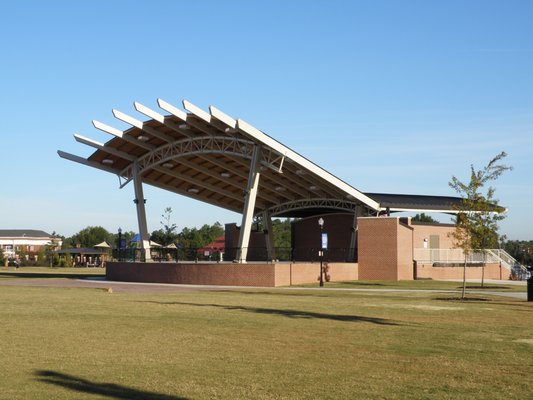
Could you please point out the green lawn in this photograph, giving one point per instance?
(423, 284)
(262, 344)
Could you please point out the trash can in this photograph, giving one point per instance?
(530, 284)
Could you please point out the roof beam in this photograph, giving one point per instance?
(84, 161)
(219, 115)
(149, 112)
(141, 125)
(197, 111)
(256, 134)
(234, 171)
(120, 134)
(106, 149)
(195, 182)
(267, 177)
(183, 116)
(166, 121)
(278, 180)
(194, 196)
(206, 117)
(180, 114)
(208, 172)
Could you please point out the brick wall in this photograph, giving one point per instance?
(256, 247)
(227, 274)
(405, 251)
(384, 249)
(424, 231)
(492, 271)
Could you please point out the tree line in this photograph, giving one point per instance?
(187, 238)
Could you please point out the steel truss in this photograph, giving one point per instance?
(201, 145)
(325, 203)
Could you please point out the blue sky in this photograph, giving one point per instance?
(390, 96)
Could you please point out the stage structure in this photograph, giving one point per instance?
(226, 162)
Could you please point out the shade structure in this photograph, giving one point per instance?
(102, 245)
(226, 162)
(207, 156)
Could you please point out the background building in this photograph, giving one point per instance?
(26, 242)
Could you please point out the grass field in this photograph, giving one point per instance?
(424, 285)
(72, 343)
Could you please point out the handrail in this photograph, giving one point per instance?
(456, 256)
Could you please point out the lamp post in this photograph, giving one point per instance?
(321, 252)
(119, 243)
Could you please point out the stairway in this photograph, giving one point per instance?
(518, 271)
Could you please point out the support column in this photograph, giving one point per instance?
(249, 206)
(269, 236)
(141, 214)
(353, 239)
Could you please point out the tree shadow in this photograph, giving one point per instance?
(110, 390)
(465, 299)
(356, 283)
(290, 313)
(486, 287)
(279, 292)
(51, 275)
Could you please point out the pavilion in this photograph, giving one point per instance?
(226, 162)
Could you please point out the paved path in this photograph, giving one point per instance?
(102, 284)
(139, 287)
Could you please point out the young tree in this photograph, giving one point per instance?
(167, 234)
(476, 223)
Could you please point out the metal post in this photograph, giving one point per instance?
(321, 252)
(321, 276)
(530, 285)
(141, 214)
(119, 247)
(269, 236)
(249, 206)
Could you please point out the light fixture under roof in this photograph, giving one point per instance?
(183, 126)
(300, 172)
(167, 165)
(143, 138)
(225, 174)
(280, 189)
(107, 161)
(193, 190)
(312, 187)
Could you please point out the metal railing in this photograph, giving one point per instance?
(230, 254)
(476, 258)
(518, 271)
(453, 256)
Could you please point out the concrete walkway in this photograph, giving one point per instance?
(140, 287)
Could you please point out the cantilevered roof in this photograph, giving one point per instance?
(207, 156)
(409, 202)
